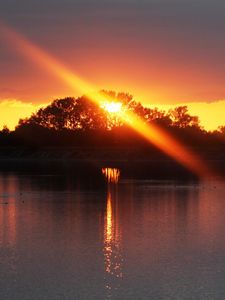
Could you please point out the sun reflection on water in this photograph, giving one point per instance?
(112, 175)
(112, 235)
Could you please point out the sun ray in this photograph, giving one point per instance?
(152, 133)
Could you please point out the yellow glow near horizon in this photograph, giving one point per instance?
(151, 133)
(211, 115)
(17, 110)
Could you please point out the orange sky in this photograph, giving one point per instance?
(164, 52)
(24, 89)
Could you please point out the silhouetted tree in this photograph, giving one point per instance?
(82, 114)
(5, 130)
(181, 118)
(68, 113)
(221, 129)
(80, 121)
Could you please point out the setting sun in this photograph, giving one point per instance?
(112, 107)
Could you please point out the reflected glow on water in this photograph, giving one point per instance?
(112, 243)
(109, 220)
(140, 239)
(8, 228)
(112, 175)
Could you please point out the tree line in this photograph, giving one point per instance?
(80, 122)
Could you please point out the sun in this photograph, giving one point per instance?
(112, 107)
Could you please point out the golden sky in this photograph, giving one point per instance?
(211, 114)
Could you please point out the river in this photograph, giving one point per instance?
(104, 236)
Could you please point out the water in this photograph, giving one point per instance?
(67, 236)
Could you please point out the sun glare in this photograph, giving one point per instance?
(151, 132)
(112, 107)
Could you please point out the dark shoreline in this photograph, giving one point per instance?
(87, 162)
(147, 154)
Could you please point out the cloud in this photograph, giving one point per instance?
(11, 110)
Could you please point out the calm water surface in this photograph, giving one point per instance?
(65, 237)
